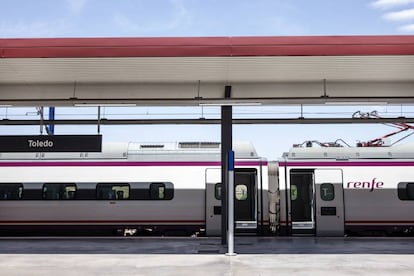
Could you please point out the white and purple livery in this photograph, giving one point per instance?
(175, 188)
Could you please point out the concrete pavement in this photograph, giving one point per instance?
(205, 256)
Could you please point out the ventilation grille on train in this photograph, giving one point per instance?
(151, 146)
(199, 145)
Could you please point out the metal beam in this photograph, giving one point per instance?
(226, 147)
(256, 121)
(318, 99)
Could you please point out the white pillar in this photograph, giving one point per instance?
(230, 232)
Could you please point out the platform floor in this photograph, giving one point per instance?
(205, 256)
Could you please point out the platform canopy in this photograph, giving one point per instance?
(173, 71)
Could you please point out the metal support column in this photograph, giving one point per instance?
(230, 233)
(226, 146)
(51, 119)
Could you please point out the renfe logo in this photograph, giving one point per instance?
(366, 185)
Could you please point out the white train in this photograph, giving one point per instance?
(174, 188)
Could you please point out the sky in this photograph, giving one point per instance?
(161, 18)
(109, 18)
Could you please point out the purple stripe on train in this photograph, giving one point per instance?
(125, 163)
(347, 164)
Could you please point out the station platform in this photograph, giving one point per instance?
(206, 256)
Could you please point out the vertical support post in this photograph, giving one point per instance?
(226, 146)
(230, 233)
(51, 119)
(99, 120)
(40, 113)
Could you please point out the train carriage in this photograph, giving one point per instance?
(175, 189)
(332, 191)
(162, 188)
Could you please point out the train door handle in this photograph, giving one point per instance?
(217, 210)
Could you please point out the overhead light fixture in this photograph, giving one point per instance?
(104, 105)
(226, 103)
(356, 103)
(6, 105)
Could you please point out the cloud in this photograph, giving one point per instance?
(402, 15)
(407, 28)
(126, 25)
(32, 29)
(76, 6)
(399, 11)
(386, 4)
(181, 14)
(179, 18)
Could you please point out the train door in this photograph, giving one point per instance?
(213, 202)
(329, 202)
(245, 204)
(301, 202)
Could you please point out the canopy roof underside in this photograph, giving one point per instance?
(193, 71)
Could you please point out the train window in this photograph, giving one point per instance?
(152, 191)
(217, 191)
(293, 192)
(161, 191)
(406, 191)
(327, 192)
(9, 191)
(112, 191)
(241, 192)
(59, 191)
(157, 191)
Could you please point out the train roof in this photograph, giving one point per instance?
(404, 151)
(144, 151)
